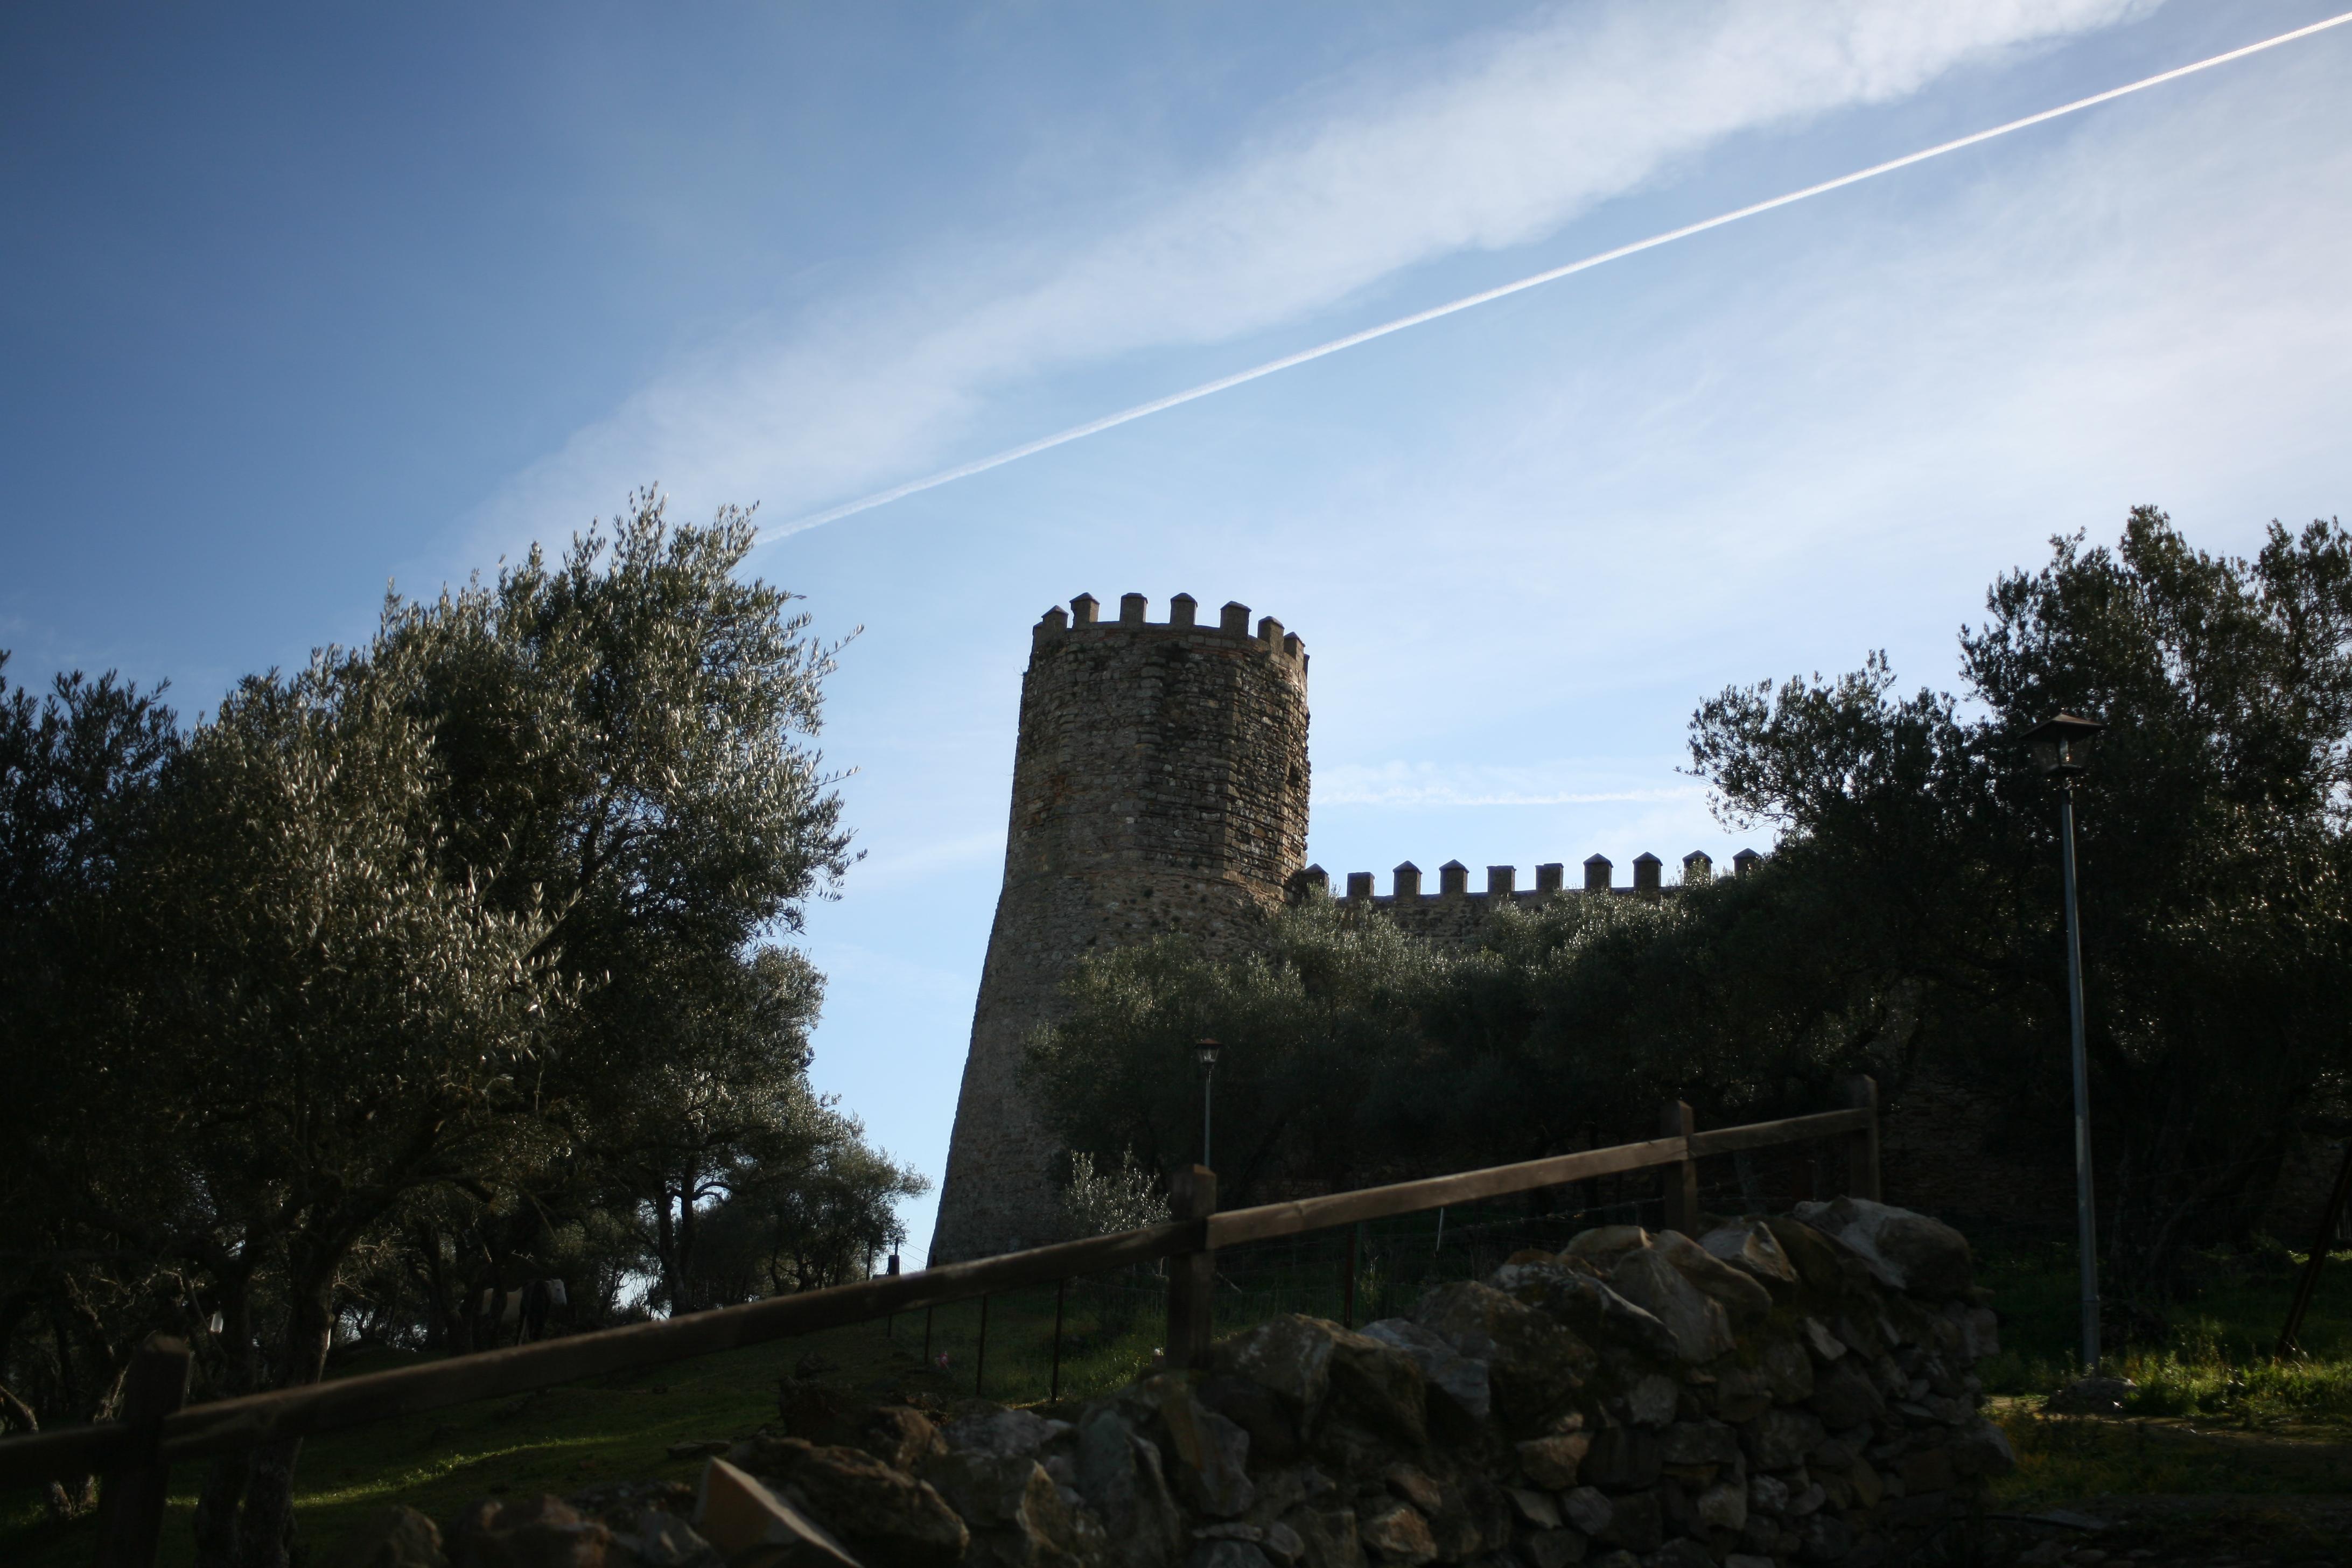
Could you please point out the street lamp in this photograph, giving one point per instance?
(2059, 746)
(1205, 1053)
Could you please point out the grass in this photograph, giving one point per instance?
(2214, 1355)
(2212, 1413)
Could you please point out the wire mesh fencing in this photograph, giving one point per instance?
(1092, 1333)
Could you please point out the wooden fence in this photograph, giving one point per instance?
(158, 1429)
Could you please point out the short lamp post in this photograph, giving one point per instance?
(2059, 745)
(1205, 1053)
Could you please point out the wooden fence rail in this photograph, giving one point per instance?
(135, 1455)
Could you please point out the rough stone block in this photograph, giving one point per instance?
(1288, 1356)
(1588, 1508)
(1227, 1554)
(1328, 1536)
(1553, 1549)
(1457, 1383)
(1552, 1463)
(1401, 1535)
(1538, 1508)
(1700, 1329)
(1742, 1394)
(1844, 1395)
(1742, 1298)
(1623, 1458)
(751, 1527)
(1635, 1524)
(1905, 1251)
(1651, 1399)
(880, 1514)
(1699, 1443)
(1780, 1438)
(1824, 1538)
(1724, 1506)
(1535, 1362)
(1575, 1297)
(400, 1538)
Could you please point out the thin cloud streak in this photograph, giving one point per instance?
(1551, 275)
(1495, 142)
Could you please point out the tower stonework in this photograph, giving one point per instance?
(1159, 786)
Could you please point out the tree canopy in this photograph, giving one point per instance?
(439, 965)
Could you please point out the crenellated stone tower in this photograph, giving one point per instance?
(1159, 785)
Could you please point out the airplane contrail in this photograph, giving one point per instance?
(1486, 296)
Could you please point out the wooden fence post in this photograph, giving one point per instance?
(1861, 1147)
(980, 1356)
(1061, 1290)
(131, 1499)
(1191, 1276)
(1681, 1179)
(1347, 1283)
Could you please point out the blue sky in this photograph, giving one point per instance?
(297, 301)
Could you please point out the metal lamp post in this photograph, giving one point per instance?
(2059, 746)
(1205, 1053)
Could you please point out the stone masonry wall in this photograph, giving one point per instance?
(1160, 786)
(1778, 1391)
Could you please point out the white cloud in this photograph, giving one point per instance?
(1563, 782)
(1510, 135)
(1891, 406)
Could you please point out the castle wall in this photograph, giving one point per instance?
(1454, 915)
(1160, 786)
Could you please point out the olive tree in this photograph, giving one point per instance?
(487, 918)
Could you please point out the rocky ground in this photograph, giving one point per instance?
(1778, 1390)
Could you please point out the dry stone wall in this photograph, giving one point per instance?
(1777, 1391)
(1160, 786)
(1784, 1390)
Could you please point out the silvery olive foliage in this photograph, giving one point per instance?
(1102, 1199)
(447, 961)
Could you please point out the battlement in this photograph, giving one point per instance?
(1085, 616)
(1455, 912)
(1503, 881)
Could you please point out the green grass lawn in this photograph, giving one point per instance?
(2212, 1413)
(2217, 1354)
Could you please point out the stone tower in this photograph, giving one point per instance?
(1159, 785)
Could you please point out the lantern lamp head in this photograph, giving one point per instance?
(2060, 745)
(1205, 1053)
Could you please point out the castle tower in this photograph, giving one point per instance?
(1159, 787)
